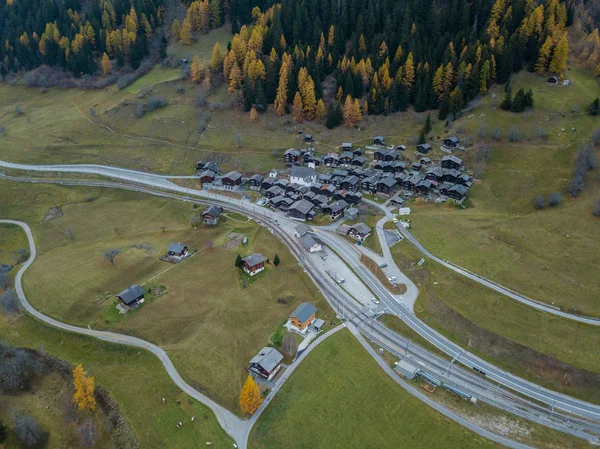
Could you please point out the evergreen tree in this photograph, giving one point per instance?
(238, 261)
(334, 116)
(444, 108)
(529, 99)
(3, 432)
(421, 99)
(427, 127)
(260, 99)
(594, 108)
(518, 103)
(507, 102)
(422, 138)
(276, 260)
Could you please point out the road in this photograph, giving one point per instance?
(483, 281)
(474, 382)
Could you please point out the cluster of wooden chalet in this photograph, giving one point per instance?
(305, 192)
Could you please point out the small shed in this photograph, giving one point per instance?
(406, 369)
(318, 324)
(378, 140)
(424, 148)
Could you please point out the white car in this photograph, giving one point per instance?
(392, 279)
(341, 280)
(375, 300)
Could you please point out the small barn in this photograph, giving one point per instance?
(424, 148)
(131, 297)
(253, 264)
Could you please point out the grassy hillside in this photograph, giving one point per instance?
(208, 322)
(134, 378)
(549, 254)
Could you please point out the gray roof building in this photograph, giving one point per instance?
(131, 294)
(361, 228)
(254, 259)
(302, 229)
(176, 248)
(268, 358)
(303, 312)
(308, 241)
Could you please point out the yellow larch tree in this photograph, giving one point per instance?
(281, 97)
(84, 389)
(409, 72)
(253, 115)
(216, 61)
(235, 79)
(320, 110)
(558, 64)
(197, 71)
(250, 397)
(106, 65)
(185, 35)
(298, 108)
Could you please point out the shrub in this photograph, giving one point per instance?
(28, 430)
(483, 131)
(125, 80)
(140, 110)
(9, 303)
(514, 134)
(538, 202)
(156, 102)
(497, 134)
(554, 199)
(2, 131)
(594, 108)
(541, 133)
(596, 210)
(576, 185)
(595, 139)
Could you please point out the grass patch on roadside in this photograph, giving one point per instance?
(343, 399)
(557, 353)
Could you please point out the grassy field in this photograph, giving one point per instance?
(207, 321)
(203, 46)
(11, 239)
(156, 76)
(554, 352)
(136, 379)
(549, 254)
(343, 399)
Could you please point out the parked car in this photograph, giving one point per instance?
(392, 279)
(383, 265)
(375, 300)
(341, 280)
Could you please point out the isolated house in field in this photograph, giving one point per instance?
(310, 243)
(177, 250)
(451, 162)
(232, 180)
(424, 148)
(253, 264)
(359, 231)
(303, 316)
(378, 140)
(211, 215)
(451, 142)
(132, 297)
(266, 363)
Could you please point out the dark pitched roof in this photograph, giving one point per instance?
(308, 241)
(303, 312)
(303, 206)
(208, 173)
(131, 294)
(303, 229)
(452, 158)
(458, 188)
(338, 206)
(268, 358)
(233, 175)
(361, 228)
(254, 259)
(257, 177)
(176, 248)
(453, 139)
(213, 211)
(388, 181)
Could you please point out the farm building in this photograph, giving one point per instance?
(451, 142)
(359, 231)
(211, 215)
(424, 148)
(451, 162)
(131, 297)
(232, 180)
(266, 363)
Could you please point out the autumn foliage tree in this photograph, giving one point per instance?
(106, 65)
(298, 108)
(84, 389)
(250, 397)
(197, 71)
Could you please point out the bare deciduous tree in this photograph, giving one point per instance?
(9, 303)
(87, 433)
(289, 345)
(111, 255)
(27, 429)
(21, 255)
